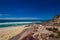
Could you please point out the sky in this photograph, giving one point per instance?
(29, 9)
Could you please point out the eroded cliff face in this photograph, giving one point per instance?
(53, 26)
(56, 19)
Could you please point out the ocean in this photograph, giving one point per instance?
(10, 23)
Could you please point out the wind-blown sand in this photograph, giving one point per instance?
(8, 32)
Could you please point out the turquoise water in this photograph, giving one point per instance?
(10, 23)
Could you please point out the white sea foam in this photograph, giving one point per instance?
(15, 23)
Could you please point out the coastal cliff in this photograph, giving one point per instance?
(44, 31)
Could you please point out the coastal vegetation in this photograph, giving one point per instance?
(56, 28)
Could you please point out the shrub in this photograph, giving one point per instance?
(49, 29)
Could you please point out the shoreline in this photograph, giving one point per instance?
(13, 26)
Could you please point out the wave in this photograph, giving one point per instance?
(17, 23)
(8, 24)
(14, 23)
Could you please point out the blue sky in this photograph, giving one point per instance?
(29, 9)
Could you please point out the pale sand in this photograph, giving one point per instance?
(9, 32)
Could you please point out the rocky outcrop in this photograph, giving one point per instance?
(44, 31)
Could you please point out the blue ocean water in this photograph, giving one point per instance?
(9, 23)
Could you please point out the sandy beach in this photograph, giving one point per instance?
(8, 32)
